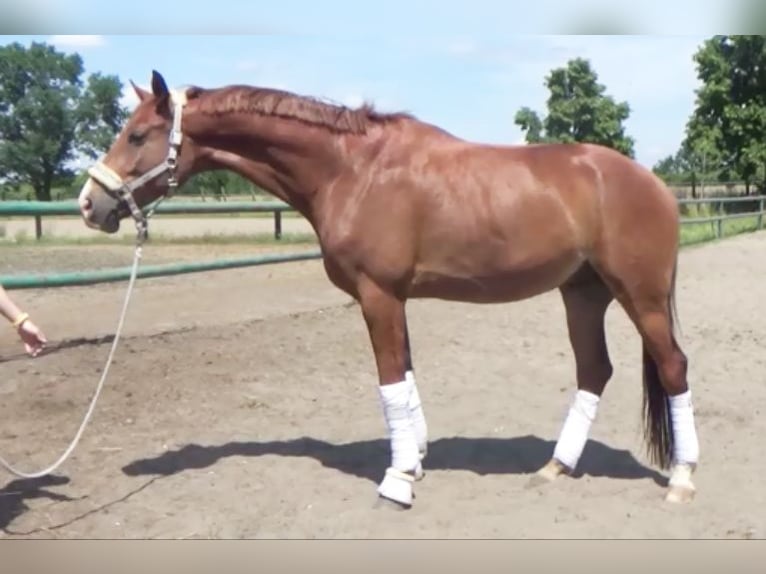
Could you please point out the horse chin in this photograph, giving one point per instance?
(111, 224)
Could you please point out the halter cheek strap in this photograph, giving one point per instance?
(124, 190)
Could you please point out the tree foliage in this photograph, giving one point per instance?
(48, 115)
(726, 129)
(579, 110)
(674, 168)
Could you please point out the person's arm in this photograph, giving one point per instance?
(33, 337)
(8, 308)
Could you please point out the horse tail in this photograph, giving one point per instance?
(658, 426)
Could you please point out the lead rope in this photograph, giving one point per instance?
(141, 227)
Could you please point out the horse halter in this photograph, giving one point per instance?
(123, 190)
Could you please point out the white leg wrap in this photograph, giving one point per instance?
(418, 418)
(404, 447)
(686, 445)
(574, 433)
(681, 477)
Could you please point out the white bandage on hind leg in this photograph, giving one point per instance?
(418, 418)
(574, 433)
(686, 445)
(404, 448)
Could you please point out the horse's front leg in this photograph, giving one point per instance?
(416, 407)
(384, 315)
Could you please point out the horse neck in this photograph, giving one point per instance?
(289, 159)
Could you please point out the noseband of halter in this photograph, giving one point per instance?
(123, 190)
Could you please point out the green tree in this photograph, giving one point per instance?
(48, 115)
(100, 115)
(728, 123)
(579, 110)
(530, 123)
(674, 168)
(700, 162)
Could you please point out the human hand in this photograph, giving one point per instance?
(33, 337)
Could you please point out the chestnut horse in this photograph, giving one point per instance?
(403, 209)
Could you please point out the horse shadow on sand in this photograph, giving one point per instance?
(363, 459)
(13, 496)
(369, 459)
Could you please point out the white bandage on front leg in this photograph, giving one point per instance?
(686, 445)
(574, 433)
(405, 458)
(396, 410)
(418, 418)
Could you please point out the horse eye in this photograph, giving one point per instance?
(137, 138)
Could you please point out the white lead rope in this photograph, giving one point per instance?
(73, 444)
(111, 180)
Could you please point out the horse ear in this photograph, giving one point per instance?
(159, 87)
(142, 94)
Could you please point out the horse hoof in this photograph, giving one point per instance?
(680, 494)
(397, 487)
(547, 474)
(680, 486)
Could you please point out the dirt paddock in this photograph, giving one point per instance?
(242, 403)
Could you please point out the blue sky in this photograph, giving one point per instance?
(469, 82)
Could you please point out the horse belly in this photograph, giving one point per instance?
(512, 282)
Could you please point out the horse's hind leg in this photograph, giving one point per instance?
(645, 287)
(669, 414)
(586, 299)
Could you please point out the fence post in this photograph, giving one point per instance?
(277, 224)
(38, 226)
(760, 213)
(719, 229)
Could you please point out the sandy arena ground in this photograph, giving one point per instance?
(243, 404)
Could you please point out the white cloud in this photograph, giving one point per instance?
(75, 41)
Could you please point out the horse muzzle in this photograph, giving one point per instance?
(99, 210)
